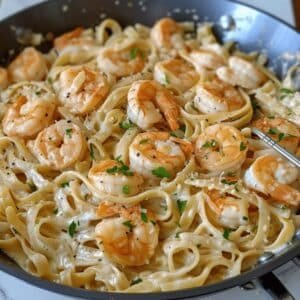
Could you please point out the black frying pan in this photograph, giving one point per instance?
(253, 30)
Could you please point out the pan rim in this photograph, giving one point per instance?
(257, 271)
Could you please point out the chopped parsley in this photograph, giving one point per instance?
(92, 154)
(208, 144)
(50, 80)
(123, 169)
(126, 124)
(177, 235)
(134, 52)
(226, 233)
(280, 135)
(69, 132)
(32, 186)
(153, 222)
(65, 184)
(144, 141)
(72, 229)
(225, 181)
(161, 172)
(242, 146)
(136, 281)
(286, 92)
(245, 218)
(273, 131)
(166, 79)
(128, 224)
(181, 204)
(125, 189)
(182, 127)
(55, 211)
(144, 216)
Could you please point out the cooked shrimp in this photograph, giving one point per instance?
(31, 111)
(121, 62)
(166, 33)
(241, 72)
(230, 211)
(3, 79)
(150, 151)
(271, 175)
(28, 65)
(73, 37)
(113, 177)
(206, 58)
(81, 89)
(221, 147)
(217, 96)
(176, 73)
(282, 131)
(59, 146)
(130, 238)
(143, 98)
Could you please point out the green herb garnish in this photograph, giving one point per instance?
(245, 218)
(72, 229)
(225, 181)
(55, 211)
(242, 146)
(125, 189)
(181, 204)
(143, 141)
(128, 224)
(166, 79)
(136, 281)
(177, 235)
(281, 136)
(32, 186)
(161, 172)
(226, 233)
(92, 154)
(65, 184)
(144, 216)
(126, 124)
(286, 92)
(69, 132)
(208, 144)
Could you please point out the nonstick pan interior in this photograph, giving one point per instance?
(252, 29)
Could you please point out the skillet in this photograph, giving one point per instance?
(252, 29)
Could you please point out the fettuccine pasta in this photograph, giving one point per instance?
(127, 161)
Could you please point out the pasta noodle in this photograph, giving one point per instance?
(130, 166)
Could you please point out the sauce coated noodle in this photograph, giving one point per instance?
(130, 167)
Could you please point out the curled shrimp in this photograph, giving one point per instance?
(176, 73)
(3, 79)
(121, 62)
(166, 33)
(81, 89)
(72, 38)
(282, 131)
(143, 98)
(32, 110)
(205, 58)
(241, 72)
(59, 146)
(229, 211)
(150, 151)
(221, 148)
(28, 65)
(271, 175)
(217, 96)
(130, 236)
(113, 177)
